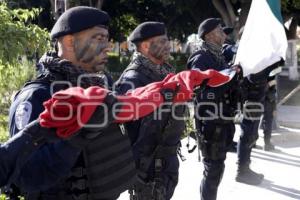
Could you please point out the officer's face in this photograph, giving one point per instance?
(216, 36)
(91, 47)
(159, 47)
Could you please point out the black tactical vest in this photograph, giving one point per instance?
(171, 128)
(109, 163)
(104, 169)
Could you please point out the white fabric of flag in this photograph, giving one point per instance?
(263, 41)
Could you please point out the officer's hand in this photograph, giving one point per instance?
(38, 133)
(188, 80)
(193, 78)
(239, 72)
(102, 117)
(237, 68)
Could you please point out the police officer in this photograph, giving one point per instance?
(254, 90)
(99, 163)
(105, 167)
(215, 107)
(155, 139)
(268, 116)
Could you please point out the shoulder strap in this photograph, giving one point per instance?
(152, 75)
(28, 83)
(145, 71)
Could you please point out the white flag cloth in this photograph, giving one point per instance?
(264, 41)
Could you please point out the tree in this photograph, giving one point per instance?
(181, 17)
(291, 11)
(234, 13)
(44, 19)
(19, 39)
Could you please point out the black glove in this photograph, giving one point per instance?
(38, 134)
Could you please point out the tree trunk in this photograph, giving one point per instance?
(221, 8)
(99, 4)
(52, 2)
(245, 7)
(231, 13)
(292, 31)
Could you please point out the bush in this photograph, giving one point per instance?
(19, 40)
(116, 64)
(179, 61)
(12, 78)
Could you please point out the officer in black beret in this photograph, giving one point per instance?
(155, 139)
(207, 26)
(215, 107)
(65, 169)
(147, 30)
(78, 19)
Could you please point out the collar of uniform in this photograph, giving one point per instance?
(163, 69)
(63, 70)
(215, 49)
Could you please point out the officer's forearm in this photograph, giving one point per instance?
(70, 109)
(16, 151)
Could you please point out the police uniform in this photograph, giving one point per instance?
(17, 150)
(229, 51)
(216, 132)
(269, 108)
(229, 47)
(100, 170)
(254, 94)
(155, 140)
(254, 89)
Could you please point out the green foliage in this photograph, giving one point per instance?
(123, 26)
(3, 129)
(19, 37)
(126, 14)
(2, 197)
(179, 61)
(117, 64)
(19, 41)
(289, 6)
(12, 78)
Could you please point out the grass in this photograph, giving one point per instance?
(3, 129)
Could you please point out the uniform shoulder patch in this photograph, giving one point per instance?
(23, 113)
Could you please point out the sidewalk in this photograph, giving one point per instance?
(280, 167)
(289, 116)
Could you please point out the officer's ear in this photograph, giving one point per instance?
(207, 37)
(144, 46)
(68, 43)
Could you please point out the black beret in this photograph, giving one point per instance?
(147, 30)
(77, 19)
(227, 30)
(207, 26)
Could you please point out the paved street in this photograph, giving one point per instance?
(280, 167)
